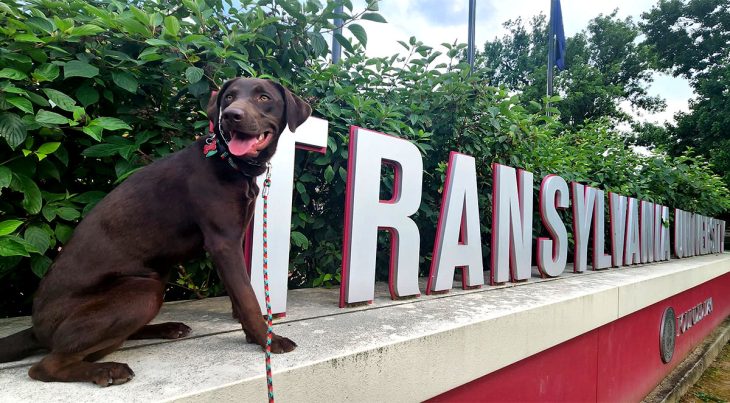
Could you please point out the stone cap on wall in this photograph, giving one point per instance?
(406, 350)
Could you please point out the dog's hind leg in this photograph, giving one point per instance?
(167, 330)
(98, 326)
(18, 345)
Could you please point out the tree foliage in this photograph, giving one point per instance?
(605, 66)
(692, 40)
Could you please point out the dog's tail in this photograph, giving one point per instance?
(18, 345)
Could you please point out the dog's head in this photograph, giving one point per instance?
(251, 114)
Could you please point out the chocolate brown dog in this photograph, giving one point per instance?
(108, 281)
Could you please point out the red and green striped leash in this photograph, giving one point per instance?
(269, 316)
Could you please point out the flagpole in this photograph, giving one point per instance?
(551, 55)
(471, 37)
(336, 47)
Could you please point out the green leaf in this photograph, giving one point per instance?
(60, 99)
(68, 213)
(300, 239)
(318, 43)
(40, 264)
(110, 123)
(157, 42)
(134, 27)
(19, 58)
(94, 132)
(156, 19)
(140, 15)
(8, 226)
(344, 42)
(4, 8)
(87, 95)
(11, 89)
(37, 99)
(12, 129)
(329, 174)
(48, 212)
(38, 237)
(86, 30)
(125, 80)
(63, 233)
(11, 247)
(42, 24)
(77, 68)
(32, 200)
(89, 197)
(172, 25)
(359, 32)
(21, 103)
(65, 23)
(107, 150)
(373, 17)
(6, 176)
(27, 38)
(194, 74)
(13, 74)
(44, 116)
(125, 175)
(48, 148)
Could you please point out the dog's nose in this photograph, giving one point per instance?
(233, 114)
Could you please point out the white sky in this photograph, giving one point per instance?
(437, 21)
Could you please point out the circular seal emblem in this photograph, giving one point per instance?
(667, 334)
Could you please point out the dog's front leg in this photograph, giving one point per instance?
(227, 256)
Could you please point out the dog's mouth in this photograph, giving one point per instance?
(243, 144)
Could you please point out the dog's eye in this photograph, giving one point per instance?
(264, 97)
(229, 97)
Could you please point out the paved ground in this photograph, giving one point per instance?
(714, 385)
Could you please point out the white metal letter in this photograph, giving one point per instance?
(458, 238)
(584, 198)
(646, 232)
(365, 214)
(511, 224)
(552, 253)
(600, 259)
(632, 254)
(617, 205)
(312, 135)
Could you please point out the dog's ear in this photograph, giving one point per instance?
(297, 111)
(214, 103)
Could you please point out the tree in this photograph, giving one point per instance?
(691, 39)
(605, 66)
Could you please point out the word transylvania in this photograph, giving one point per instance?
(638, 231)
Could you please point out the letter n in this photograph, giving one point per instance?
(511, 224)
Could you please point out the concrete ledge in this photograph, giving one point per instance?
(406, 350)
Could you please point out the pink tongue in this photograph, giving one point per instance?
(240, 147)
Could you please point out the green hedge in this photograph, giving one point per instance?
(91, 91)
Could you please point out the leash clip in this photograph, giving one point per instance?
(267, 180)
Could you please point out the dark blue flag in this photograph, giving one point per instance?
(556, 19)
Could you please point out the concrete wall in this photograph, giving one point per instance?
(415, 349)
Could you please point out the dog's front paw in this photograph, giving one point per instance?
(281, 344)
(110, 373)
